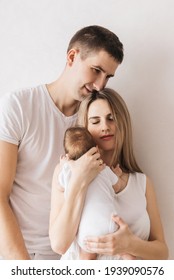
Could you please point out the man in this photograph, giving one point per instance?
(32, 126)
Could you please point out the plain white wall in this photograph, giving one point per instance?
(33, 41)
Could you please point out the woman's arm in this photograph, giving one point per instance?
(124, 241)
(156, 247)
(65, 213)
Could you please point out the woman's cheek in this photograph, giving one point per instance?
(92, 131)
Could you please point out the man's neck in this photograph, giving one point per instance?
(61, 98)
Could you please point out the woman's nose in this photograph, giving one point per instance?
(105, 126)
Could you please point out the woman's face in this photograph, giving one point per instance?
(101, 124)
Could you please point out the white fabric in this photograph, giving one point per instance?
(30, 119)
(99, 204)
(38, 256)
(130, 205)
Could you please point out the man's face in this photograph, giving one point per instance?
(91, 73)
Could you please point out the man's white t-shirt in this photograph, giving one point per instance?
(30, 120)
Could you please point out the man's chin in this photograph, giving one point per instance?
(84, 93)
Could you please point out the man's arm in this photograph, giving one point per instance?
(12, 245)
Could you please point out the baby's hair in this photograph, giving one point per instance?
(77, 141)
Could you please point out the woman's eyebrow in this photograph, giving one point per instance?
(94, 117)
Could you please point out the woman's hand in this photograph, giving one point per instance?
(87, 167)
(112, 244)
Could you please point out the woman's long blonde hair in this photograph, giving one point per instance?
(123, 153)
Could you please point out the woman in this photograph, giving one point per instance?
(140, 230)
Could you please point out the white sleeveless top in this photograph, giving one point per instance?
(131, 207)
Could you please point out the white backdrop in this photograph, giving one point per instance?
(33, 41)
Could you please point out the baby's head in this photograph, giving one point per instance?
(77, 141)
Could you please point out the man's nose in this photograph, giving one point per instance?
(99, 84)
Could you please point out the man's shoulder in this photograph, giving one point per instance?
(22, 100)
(29, 90)
(21, 94)
(25, 90)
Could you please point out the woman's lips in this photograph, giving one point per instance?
(106, 137)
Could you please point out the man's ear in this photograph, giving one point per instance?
(71, 55)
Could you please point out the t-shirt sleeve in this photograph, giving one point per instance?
(11, 119)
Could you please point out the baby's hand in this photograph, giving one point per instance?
(117, 170)
(63, 159)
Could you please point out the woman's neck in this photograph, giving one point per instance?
(107, 157)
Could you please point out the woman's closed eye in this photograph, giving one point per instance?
(110, 118)
(95, 121)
